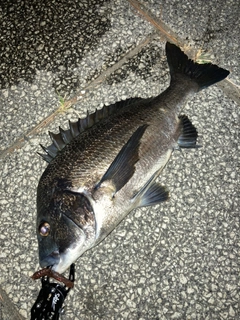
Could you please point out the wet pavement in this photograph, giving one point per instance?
(58, 59)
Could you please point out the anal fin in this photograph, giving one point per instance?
(151, 193)
(188, 137)
(155, 194)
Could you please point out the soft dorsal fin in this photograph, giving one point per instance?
(188, 137)
(123, 166)
(61, 139)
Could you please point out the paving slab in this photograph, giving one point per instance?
(178, 260)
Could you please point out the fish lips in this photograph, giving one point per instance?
(62, 246)
(49, 260)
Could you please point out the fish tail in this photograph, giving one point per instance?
(203, 74)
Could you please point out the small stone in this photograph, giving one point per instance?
(231, 312)
(131, 304)
(183, 279)
(190, 290)
(176, 315)
(34, 87)
(5, 93)
(139, 291)
(211, 300)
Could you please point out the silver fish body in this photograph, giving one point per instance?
(106, 165)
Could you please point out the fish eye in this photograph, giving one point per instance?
(44, 229)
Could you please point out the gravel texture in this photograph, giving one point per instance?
(178, 260)
(63, 49)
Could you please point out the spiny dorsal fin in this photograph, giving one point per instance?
(123, 166)
(61, 139)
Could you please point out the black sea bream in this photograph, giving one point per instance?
(106, 165)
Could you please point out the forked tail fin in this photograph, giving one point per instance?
(203, 74)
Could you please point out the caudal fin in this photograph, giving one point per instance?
(203, 74)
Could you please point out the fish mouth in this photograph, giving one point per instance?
(50, 260)
(60, 262)
(56, 262)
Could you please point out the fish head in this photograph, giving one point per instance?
(60, 244)
(65, 227)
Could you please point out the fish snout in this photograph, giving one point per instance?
(50, 260)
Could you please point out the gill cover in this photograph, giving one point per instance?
(65, 223)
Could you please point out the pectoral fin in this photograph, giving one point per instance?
(123, 166)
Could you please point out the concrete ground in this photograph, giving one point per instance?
(58, 59)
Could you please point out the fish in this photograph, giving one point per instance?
(106, 164)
